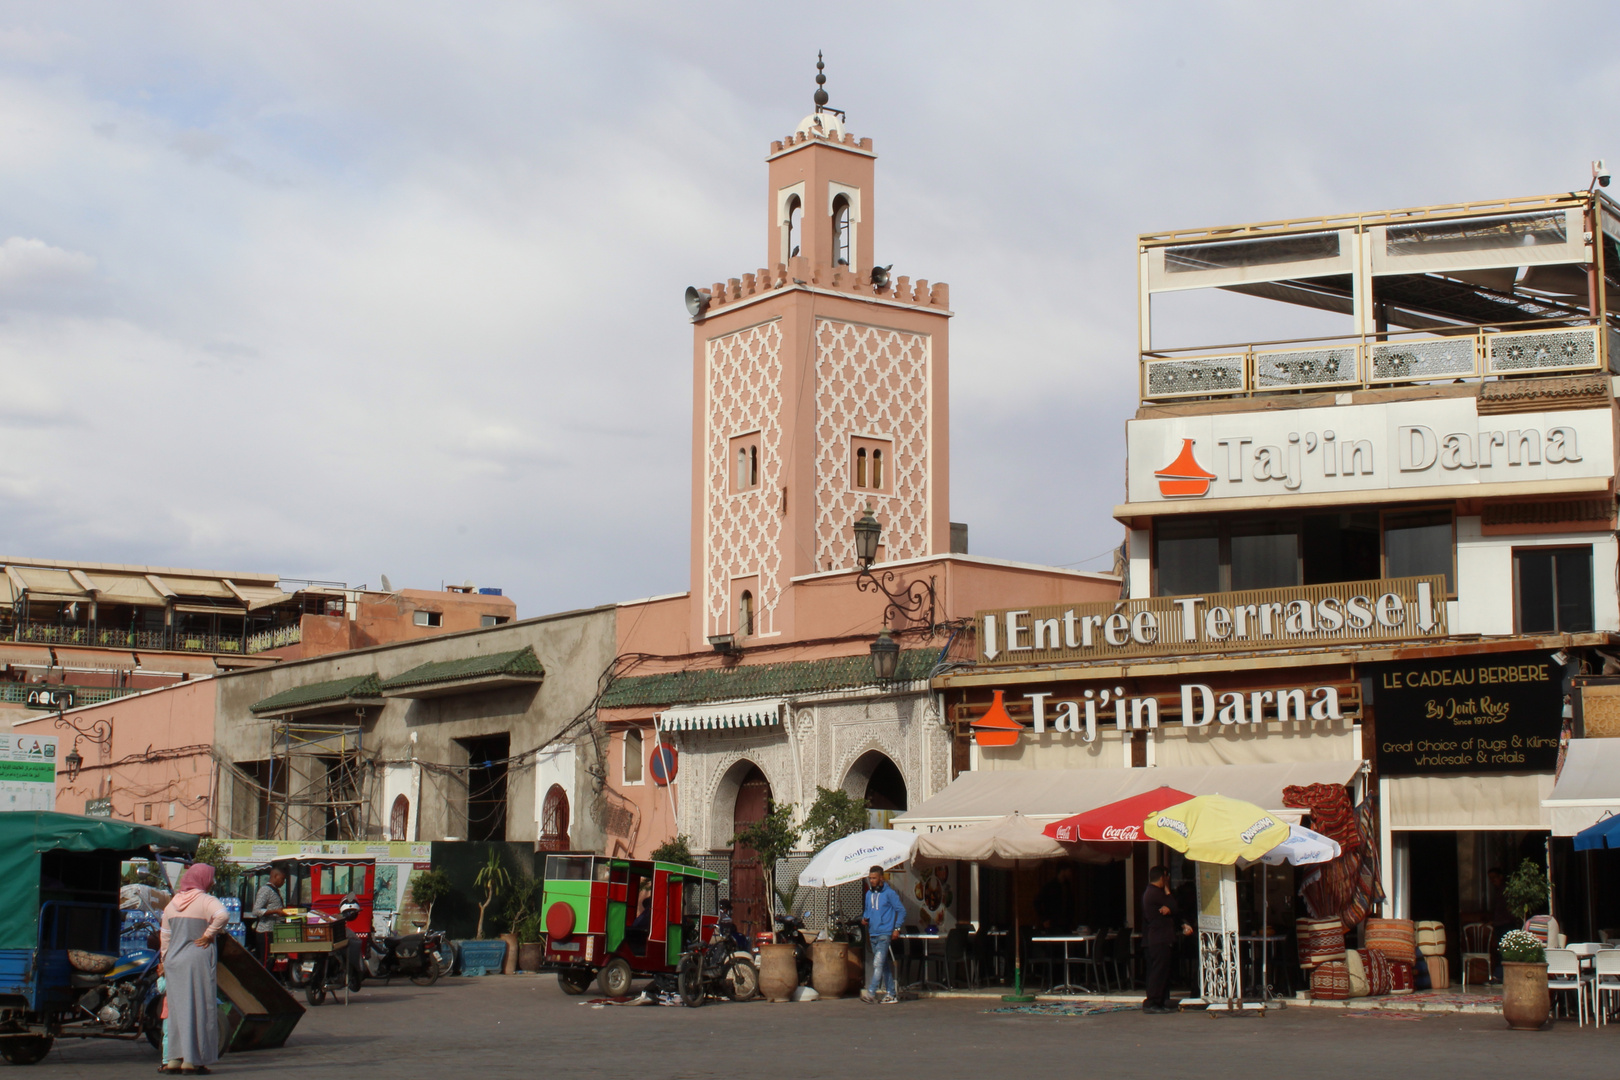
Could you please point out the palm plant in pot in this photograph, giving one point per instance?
(1525, 1004)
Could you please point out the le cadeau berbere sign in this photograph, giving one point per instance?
(1392, 609)
(1483, 714)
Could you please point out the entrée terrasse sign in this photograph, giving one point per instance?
(1393, 609)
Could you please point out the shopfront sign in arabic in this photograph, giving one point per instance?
(1479, 714)
(27, 772)
(1393, 609)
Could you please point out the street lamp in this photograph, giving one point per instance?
(75, 761)
(867, 532)
(885, 655)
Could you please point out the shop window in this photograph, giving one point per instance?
(1417, 545)
(1229, 554)
(1553, 590)
(632, 756)
(428, 618)
(745, 462)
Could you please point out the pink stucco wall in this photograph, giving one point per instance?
(159, 766)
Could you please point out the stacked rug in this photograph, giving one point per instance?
(1439, 972)
(1320, 940)
(1395, 938)
(1431, 937)
(1330, 981)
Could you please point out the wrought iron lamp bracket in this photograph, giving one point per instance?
(912, 604)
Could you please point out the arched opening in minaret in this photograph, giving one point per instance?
(745, 615)
(860, 467)
(841, 236)
(795, 224)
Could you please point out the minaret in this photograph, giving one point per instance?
(820, 387)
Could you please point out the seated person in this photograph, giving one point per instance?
(636, 935)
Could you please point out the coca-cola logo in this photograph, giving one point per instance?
(1122, 832)
(1065, 833)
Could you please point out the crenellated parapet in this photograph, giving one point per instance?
(832, 132)
(799, 271)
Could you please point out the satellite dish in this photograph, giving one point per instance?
(386, 585)
(467, 584)
(697, 301)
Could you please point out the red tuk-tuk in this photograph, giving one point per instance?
(614, 919)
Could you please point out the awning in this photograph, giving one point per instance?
(1507, 801)
(1049, 794)
(1588, 788)
(732, 714)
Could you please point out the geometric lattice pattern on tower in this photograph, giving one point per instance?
(871, 381)
(744, 531)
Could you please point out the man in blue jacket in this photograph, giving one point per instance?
(883, 915)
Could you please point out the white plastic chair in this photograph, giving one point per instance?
(1563, 975)
(1606, 967)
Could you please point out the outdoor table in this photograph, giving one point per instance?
(925, 983)
(1066, 939)
(1261, 968)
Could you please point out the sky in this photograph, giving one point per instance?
(337, 290)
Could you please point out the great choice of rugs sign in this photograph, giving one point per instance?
(1352, 448)
(1390, 609)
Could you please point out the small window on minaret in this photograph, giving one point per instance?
(871, 463)
(743, 459)
(745, 615)
(860, 467)
(841, 238)
(877, 469)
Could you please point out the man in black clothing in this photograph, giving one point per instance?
(1161, 921)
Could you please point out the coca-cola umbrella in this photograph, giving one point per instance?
(1117, 821)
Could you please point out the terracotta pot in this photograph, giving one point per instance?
(778, 972)
(1524, 996)
(830, 976)
(531, 956)
(510, 962)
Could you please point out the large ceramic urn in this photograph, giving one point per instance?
(1525, 1005)
(778, 972)
(830, 974)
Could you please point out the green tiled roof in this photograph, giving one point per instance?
(761, 680)
(518, 662)
(360, 686)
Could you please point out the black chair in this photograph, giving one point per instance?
(958, 954)
(1121, 961)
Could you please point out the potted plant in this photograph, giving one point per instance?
(1525, 1004)
(774, 837)
(839, 964)
(523, 951)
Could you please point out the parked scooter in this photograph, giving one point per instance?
(421, 957)
(790, 931)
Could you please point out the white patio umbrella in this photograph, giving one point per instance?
(850, 858)
(1303, 847)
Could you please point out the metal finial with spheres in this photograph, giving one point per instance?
(821, 82)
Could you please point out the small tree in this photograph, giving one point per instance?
(834, 815)
(494, 879)
(678, 850)
(1526, 891)
(519, 910)
(226, 872)
(774, 837)
(428, 888)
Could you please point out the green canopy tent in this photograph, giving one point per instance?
(37, 863)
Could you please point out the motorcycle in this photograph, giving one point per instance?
(790, 931)
(719, 967)
(421, 957)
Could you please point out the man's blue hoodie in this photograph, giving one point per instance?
(885, 913)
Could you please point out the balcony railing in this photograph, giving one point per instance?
(151, 640)
(42, 696)
(1402, 359)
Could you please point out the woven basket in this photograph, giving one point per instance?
(1395, 938)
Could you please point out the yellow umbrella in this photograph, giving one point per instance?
(1215, 829)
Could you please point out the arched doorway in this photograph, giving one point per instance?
(747, 876)
(554, 820)
(399, 818)
(877, 779)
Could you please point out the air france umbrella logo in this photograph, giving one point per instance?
(1184, 478)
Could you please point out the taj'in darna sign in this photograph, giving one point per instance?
(1392, 609)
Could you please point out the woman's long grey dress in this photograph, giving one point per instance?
(193, 991)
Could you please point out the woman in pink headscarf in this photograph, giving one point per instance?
(191, 922)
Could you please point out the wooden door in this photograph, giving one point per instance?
(747, 882)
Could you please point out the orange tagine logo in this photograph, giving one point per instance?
(995, 727)
(1184, 478)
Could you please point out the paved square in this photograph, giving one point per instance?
(523, 1026)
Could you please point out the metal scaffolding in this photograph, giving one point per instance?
(318, 782)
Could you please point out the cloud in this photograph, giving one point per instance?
(335, 290)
